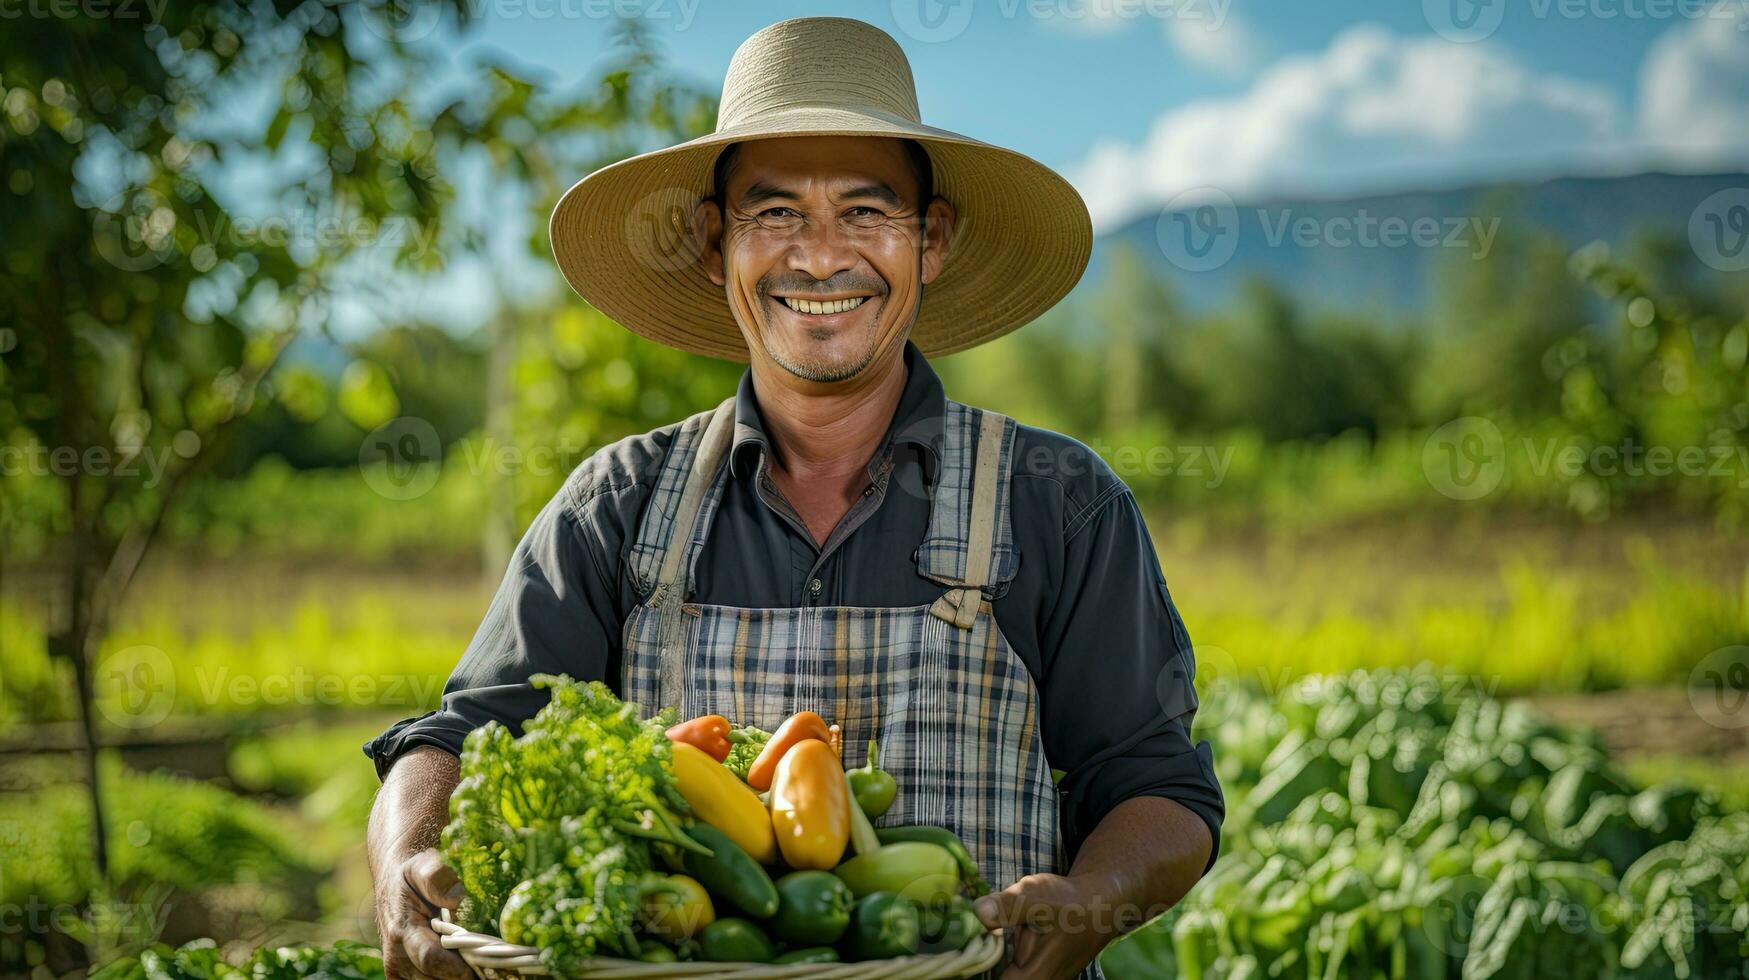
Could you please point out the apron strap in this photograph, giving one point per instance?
(960, 606)
(672, 576)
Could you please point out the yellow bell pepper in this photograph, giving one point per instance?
(810, 806)
(724, 802)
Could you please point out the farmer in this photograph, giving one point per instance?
(979, 596)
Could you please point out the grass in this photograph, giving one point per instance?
(1521, 607)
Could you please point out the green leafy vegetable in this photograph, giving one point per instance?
(550, 832)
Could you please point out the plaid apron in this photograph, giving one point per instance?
(953, 708)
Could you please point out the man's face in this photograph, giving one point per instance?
(821, 251)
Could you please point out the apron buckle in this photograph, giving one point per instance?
(959, 606)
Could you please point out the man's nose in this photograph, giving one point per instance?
(821, 251)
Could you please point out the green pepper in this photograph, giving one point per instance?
(657, 953)
(735, 941)
(812, 907)
(948, 928)
(873, 787)
(882, 925)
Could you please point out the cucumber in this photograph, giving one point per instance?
(730, 874)
(810, 954)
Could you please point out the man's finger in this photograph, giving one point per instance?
(434, 881)
(428, 955)
(1025, 941)
(1006, 907)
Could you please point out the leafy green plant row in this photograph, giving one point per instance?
(1401, 824)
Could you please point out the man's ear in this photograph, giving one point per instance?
(938, 221)
(707, 233)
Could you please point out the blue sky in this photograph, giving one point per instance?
(1138, 99)
(1149, 103)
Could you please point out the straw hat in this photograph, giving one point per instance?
(623, 239)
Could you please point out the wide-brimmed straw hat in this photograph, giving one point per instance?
(623, 238)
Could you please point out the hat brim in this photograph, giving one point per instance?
(622, 236)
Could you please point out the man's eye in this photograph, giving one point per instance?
(778, 214)
(865, 216)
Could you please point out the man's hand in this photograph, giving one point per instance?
(1138, 862)
(411, 881)
(1057, 924)
(407, 899)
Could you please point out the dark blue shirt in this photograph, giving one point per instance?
(1087, 611)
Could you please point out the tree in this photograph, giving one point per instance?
(146, 302)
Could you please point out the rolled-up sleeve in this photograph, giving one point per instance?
(1117, 698)
(554, 613)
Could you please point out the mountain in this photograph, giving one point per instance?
(1379, 253)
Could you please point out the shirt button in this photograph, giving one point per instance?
(868, 491)
(815, 587)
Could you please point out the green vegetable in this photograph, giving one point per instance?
(812, 907)
(946, 928)
(873, 787)
(945, 838)
(201, 958)
(882, 925)
(735, 941)
(550, 832)
(730, 874)
(745, 744)
(657, 953)
(808, 954)
(922, 872)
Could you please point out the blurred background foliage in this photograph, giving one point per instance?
(221, 573)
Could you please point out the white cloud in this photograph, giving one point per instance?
(1372, 108)
(1220, 44)
(1694, 91)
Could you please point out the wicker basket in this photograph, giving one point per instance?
(494, 958)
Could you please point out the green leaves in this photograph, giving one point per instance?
(549, 832)
(1401, 824)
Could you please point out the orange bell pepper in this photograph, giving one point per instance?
(810, 807)
(707, 733)
(801, 726)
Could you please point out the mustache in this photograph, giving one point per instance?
(802, 285)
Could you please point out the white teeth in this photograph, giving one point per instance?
(819, 308)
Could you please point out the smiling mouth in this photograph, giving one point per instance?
(822, 307)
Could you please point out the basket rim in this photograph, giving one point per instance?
(486, 952)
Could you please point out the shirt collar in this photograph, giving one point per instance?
(919, 420)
